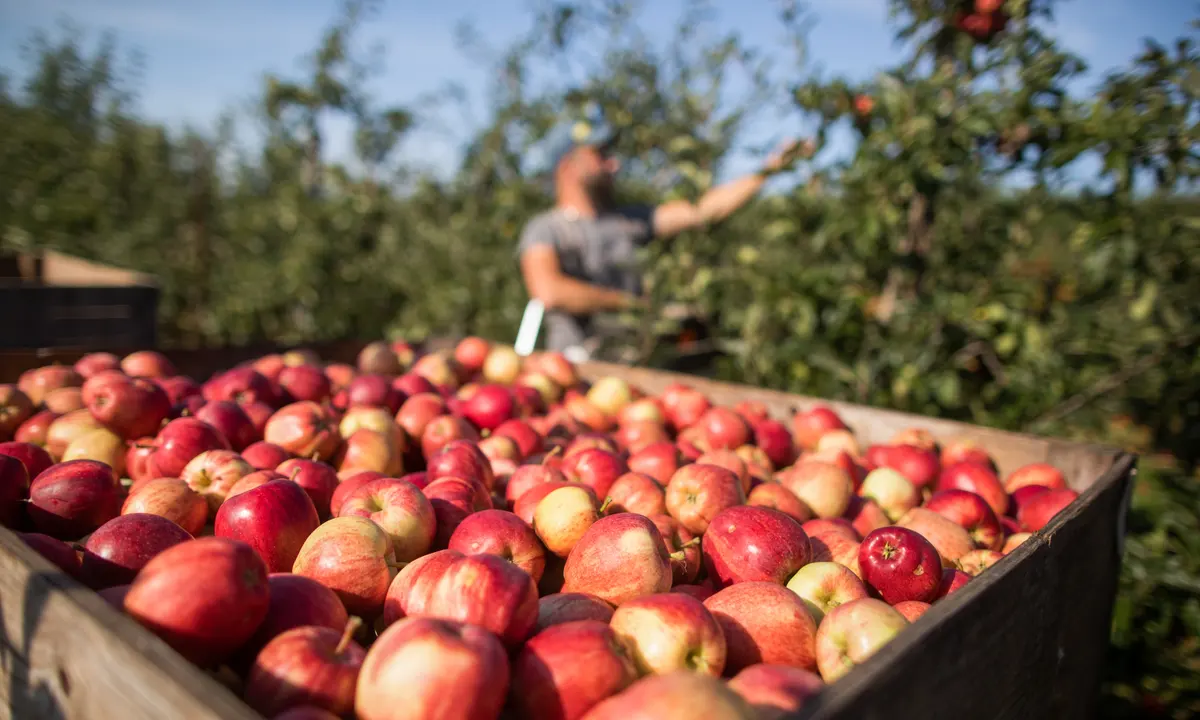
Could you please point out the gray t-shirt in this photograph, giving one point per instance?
(600, 251)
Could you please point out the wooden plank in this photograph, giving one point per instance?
(66, 654)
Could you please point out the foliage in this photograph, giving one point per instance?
(948, 267)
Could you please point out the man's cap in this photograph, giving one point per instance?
(581, 134)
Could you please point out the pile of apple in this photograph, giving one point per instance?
(472, 534)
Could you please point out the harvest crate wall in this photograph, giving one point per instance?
(1025, 640)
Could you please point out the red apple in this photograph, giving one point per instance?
(975, 478)
(683, 547)
(305, 382)
(62, 400)
(764, 623)
(1020, 497)
(949, 538)
(596, 468)
(232, 421)
(563, 672)
(147, 363)
(637, 493)
(297, 601)
(353, 557)
(180, 389)
(808, 426)
(265, 456)
(686, 408)
(432, 668)
(500, 533)
(919, 465)
(1035, 474)
(490, 407)
(952, 580)
(349, 484)
(853, 632)
(723, 429)
(259, 414)
(823, 486)
(528, 440)
(178, 443)
(866, 515)
(972, 513)
(33, 457)
(776, 441)
(213, 473)
(636, 436)
(243, 385)
(438, 368)
(670, 631)
(470, 353)
(681, 694)
(251, 481)
(825, 585)
(74, 498)
(527, 477)
(461, 459)
(14, 490)
(453, 499)
(275, 519)
(900, 565)
(318, 479)
(443, 430)
(917, 437)
(560, 608)
(729, 460)
(745, 543)
(775, 496)
(966, 450)
(1037, 511)
(54, 550)
(204, 597)
(35, 429)
(304, 428)
(313, 666)
(38, 382)
(400, 509)
(1014, 541)
(15, 408)
(660, 461)
(340, 375)
(776, 690)
(696, 493)
(375, 391)
(96, 362)
(121, 547)
(619, 558)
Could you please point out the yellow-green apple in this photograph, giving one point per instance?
(502, 365)
(564, 671)
(610, 395)
(975, 478)
(619, 558)
(400, 509)
(296, 601)
(773, 495)
(232, 421)
(824, 487)
(1013, 541)
(305, 429)
(213, 472)
(642, 410)
(526, 504)
(681, 694)
(637, 493)
(251, 481)
(1035, 474)
(462, 459)
(14, 490)
(966, 450)
(950, 540)
(808, 426)
(95, 362)
(559, 608)
(952, 580)
(912, 609)
(274, 518)
(563, 516)
(776, 690)
(368, 449)
(853, 632)
(378, 357)
(71, 499)
(204, 597)
(66, 428)
(659, 460)
(670, 631)
(313, 665)
(745, 543)
(453, 499)
(900, 565)
(353, 557)
(972, 513)
(178, 443)
(54, 550)
(915, 436)
(500, 533)
(825, 585)
(866, 515)
(696, 493)
(893, 492)
(170, 498)
(119, 548)
(977, 561)
(147, 363)
(35, 429)
(595, 467)
(1036, 512)
(764, 623)
(835, 441)
(425, 667)
(684, 548)
(100, 444)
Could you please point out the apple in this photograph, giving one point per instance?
(251, 481)
(54, 550)
(745, 543)
(213, 472)
(232, 421)
(461, 459)
(912, 609)
(952, 580)
(14, 490)
(659, 460)
(259, 414)
(400, 509)
(642, 410)
(966, 450)
(977, 561)
(204, 597)
(683, 547)
(490, 407)
(522, 433)
(377, 357)
(411, 592)
(563, 516)
(353, 557)
(418, 411)
(566, 670)
(696, 493)
(556, 367)
(340, 375)
(453, 499)
(975, 478)
(439, 369)
(775, 496)
(808, 426)
(374, 391)
(853, 632)
(33, 457)
(66, 428)
(1035, 474)
(430, 668)
(39, 382)
(313, 666)
(100, 444)
(972, 513)
(147, 363)
(687, 407)
(900, 565)
(242, 385)
(547, 390)
(917, 437)
(498, 447)
(610, 395)
(1037, 511)
(137, 461)
(636, 436)
(1009, 525)
(304, 428)
(305, 382)
(35, 429)
(776, 690)
(131, 407)
(559, 608)
(729, 460)
(95, 362)
(825, 585)
(866, 515)
(590, 440)
(670, 631)
(470, 353)
(764, 622)
(1013, 541)
(72, 499)
(318, 479)
(723, 429)
(596, 468)
(950, 539)
(119, 548)
(371, 450)
(445, 429)
(412, 384)
(526, 477)
(180, 389)
(681, 694)
(637, 493)
(500, 533)
(297, 601)
(894, 493)
(918, 465)
(275, 519)
(62, 400)
(178, 442)
(823, 486)
(1022, 495)
(619, 558)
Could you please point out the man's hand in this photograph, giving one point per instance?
(787, 154)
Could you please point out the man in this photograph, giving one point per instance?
(578, 258)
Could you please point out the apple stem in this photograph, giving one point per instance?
(315, 455)
(295, 472)
(352, 626)
(604, 505)
(553, 451)
(163, 424)
(396, 565)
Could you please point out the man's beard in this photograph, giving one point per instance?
(599, 188)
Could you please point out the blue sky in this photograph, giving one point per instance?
(206, 57)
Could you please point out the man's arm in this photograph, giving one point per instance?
(720, 202)
(545, 281)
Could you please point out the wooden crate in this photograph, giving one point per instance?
(51, 300)
(1026, 640)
